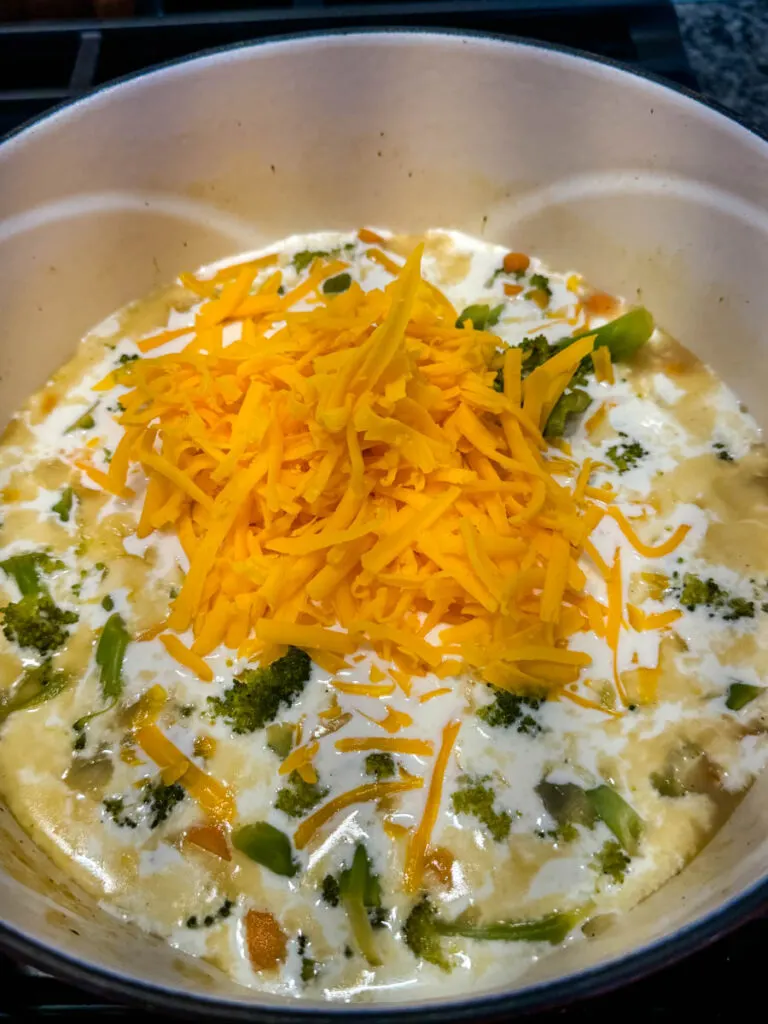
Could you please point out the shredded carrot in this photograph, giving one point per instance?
(419, 844)
(211, 838)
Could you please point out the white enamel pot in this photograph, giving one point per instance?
(642, 188)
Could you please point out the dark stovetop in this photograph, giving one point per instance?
(45, 63)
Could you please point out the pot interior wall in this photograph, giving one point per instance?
(639, 188)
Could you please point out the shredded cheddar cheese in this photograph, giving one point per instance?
(345, 476)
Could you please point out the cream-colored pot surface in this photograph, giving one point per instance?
(642, 189)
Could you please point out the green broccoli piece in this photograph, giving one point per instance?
(739, 608)
(298, 797)
(475, 799)
(307, 257)
(611, 860)
(36, 620)
(85, 421)
(569, 805)
(626, 454)
(125, 358)
(741, 694)
(309, 969)
(26, 569)
(110, 653)
(38, 685)
(256, 696)
(422, 937)
(721, 452)
(571, 403)
(620, 817)
(696, 592)
(481, 315)
(329, 890)
(266, 845)
(63, 507)
(360, 895)
(552, 928)
(509, 709)
(623, 336)
(542, 283)
(380, 765)
(424, 929)
(161, 799)
(536, 351)
(115, 808)
(338, 284)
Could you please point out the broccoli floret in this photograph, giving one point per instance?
(256, 696)
(536, 351)
(161, 799)
(330, 891)
(477, 800)
(509, 709)
(739, 608)
(306, 257)
(115, 808)
(542, 283)
(63, 507)
(721, 452)
(36, 621)
(697, 592)
(39, 684)
(422, 937)
(481, 315)
(298, 797)
(338, 284)
(380, 765)
(626, 454)
(611, 860)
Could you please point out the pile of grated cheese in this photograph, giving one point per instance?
(346, 476)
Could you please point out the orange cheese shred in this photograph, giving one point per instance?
(214, 798)
(361, 794)
(419, 844)
(186, 657)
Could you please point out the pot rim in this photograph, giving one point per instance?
(539, 997)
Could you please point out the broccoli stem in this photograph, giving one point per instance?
(356, 886)
(24, 570)
(624, 335)
(552, 928)
(741, 694)
(623, 820)
(110, 652)
(268, 846)
(37, 686)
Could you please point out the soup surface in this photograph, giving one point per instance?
(380, 613)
